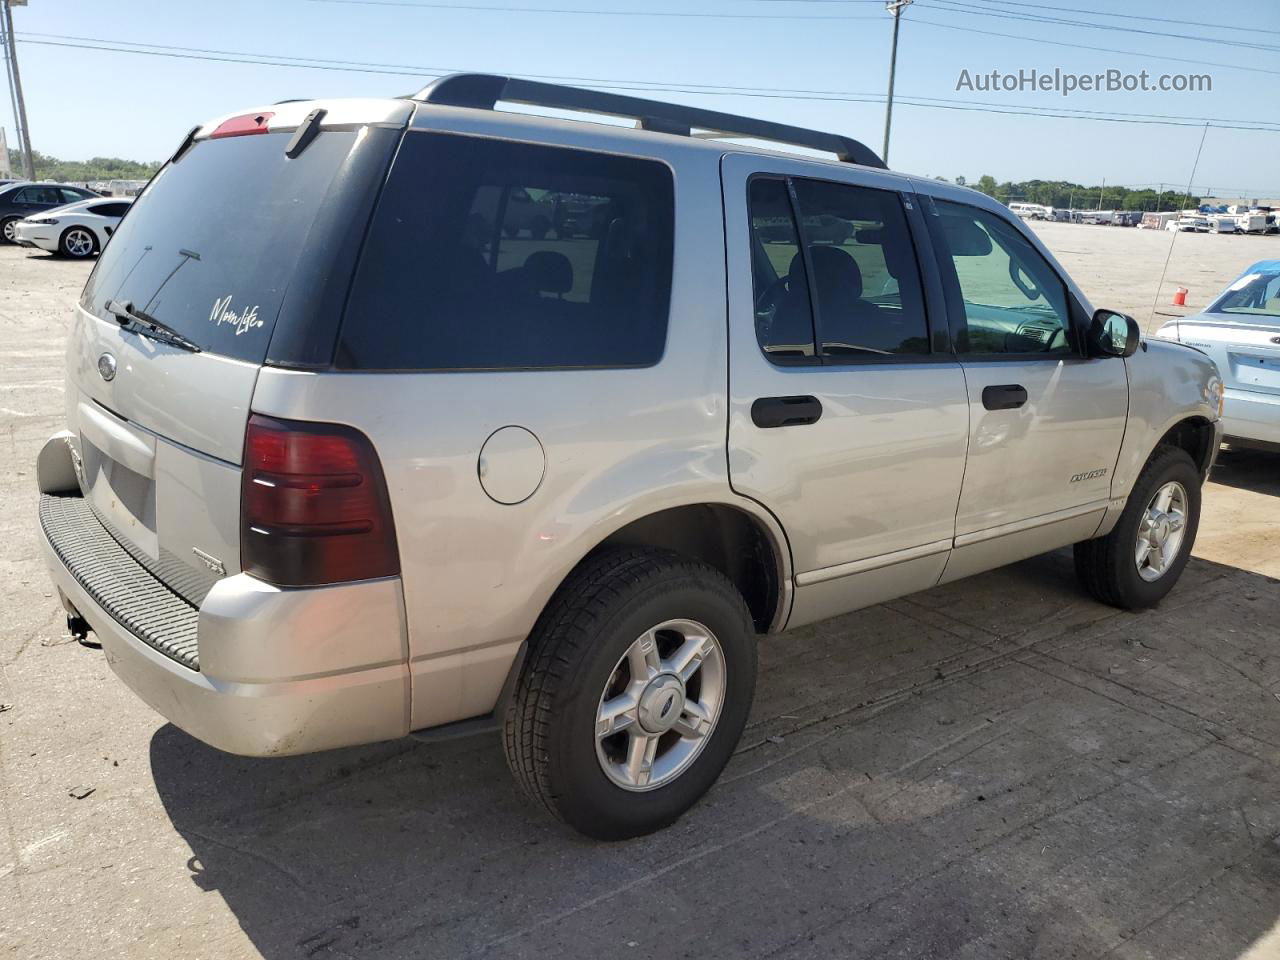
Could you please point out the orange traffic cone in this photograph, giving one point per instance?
(1180, 298)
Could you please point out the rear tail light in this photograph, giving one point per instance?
(314, 506)
(242, 125)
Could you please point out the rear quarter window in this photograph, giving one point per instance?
(493, 255)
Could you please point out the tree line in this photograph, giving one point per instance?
(1078, 196)
(80, 171)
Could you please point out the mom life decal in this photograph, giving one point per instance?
(243, 321)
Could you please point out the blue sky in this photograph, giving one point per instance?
(84, 103)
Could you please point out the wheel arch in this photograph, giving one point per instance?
(740, 544)
(1194, 434)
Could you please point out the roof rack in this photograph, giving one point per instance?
(483, 90)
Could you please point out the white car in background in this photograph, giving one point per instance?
(78, 230)
(1241, 332)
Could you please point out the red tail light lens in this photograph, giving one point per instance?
(242, 125)
(314, 506)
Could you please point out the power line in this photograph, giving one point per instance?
(676, 86)
(969, 9)
(483, 8)
(1082, 46)
(1097, 13)
(421, 72)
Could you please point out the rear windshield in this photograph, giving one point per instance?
(494, 255)
(1253, 298)
(211, 246)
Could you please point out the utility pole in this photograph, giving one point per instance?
(895, 8)
(1101, 191)
(15, 86)
(1160, 198)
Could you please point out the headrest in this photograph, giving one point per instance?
(965, 238)
(549, 272)
(836, 274)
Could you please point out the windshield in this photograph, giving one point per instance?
(1254, 298)
(211, 246)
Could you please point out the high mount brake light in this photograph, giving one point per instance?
(314, 506)
(242, 125)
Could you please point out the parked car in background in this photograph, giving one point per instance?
(78, 230)
(1223, 224)
(1240, 330)
(1031, 211)
(1189, 225)
(315, 494)
(22, 200)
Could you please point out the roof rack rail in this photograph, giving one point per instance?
(483, 90)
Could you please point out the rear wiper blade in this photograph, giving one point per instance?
(148, 326)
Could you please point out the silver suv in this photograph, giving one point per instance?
(348, 458)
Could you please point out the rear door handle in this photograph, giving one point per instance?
(1005, 396)
(785, 411)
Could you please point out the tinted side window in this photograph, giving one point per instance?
(109, 209)
(487, 254)
(784, 319)
(1012, 300)
(865, 277)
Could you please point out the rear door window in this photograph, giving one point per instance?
(865, 278)
(493, 255)
(841, 286)
(211, 246)
(784, 317)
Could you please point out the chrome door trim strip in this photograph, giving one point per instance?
(824, 574)
(1070, 513)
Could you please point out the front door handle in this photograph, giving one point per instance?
(785, 411)
(1006, 396)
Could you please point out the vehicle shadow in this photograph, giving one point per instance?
(1037, 776)
(1246, 469)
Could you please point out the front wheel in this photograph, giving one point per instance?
(636, 688)
(1141, 559)
(8, 229)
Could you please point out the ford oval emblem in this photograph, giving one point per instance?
(107, 366)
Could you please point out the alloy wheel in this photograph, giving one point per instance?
(78, 243)
(660, 705)
(1161, 531)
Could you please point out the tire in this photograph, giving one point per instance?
(1109, 567)
(6, 229)
(79, 243)
(580, 651)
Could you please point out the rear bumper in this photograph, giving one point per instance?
(267, 672)
(1251, 417)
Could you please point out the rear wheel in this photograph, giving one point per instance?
(78, 243)
(636, 688)
(1141, 559)
(7, 227)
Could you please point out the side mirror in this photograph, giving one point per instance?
(1112, 334)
